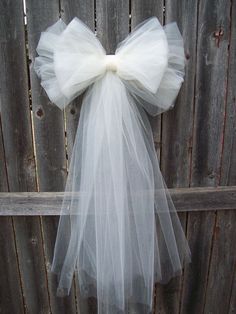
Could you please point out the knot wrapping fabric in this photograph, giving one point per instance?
(111, 62)
(118, 229)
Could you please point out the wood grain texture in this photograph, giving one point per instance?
(10, 281)
(232, 305)
(177, 123)
(11, 296)
(185, 199)
(229, 174)
(199, 234)
(209, 108)
(84, 10)
(31, 260)
(177, 128)
(211, 78)
(228, 163)
(112, 22)
(15, 113)
(223, 262)
(49, 132)
(3, 168)
(48, 122)
(19, 153)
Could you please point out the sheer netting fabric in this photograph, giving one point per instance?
(118, 228)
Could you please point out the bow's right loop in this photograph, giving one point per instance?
(152, 64)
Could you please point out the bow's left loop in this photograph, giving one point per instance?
(70, 59)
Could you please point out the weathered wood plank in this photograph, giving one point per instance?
(176, 134)
(211, 73)
(232, 305)
(3, 168)
(229, 155)
(11, 296)
(212, 64)
(112, 22)
(185, 199)
(15, 114)
(141, 10)
(223, 261)
(48, 119)
(49, 131)
(85, 11)
(19, 153)
(32, 267)
(178, 122)
(199, 234)
(228, 168)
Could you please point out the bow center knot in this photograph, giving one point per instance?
(111, 62)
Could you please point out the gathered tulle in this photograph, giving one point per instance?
(118, 229)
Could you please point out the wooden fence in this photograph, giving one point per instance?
(195, 143)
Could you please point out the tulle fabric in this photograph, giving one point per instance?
(118, 229)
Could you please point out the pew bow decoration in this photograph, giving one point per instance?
(118, 229)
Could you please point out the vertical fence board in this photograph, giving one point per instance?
(112, 22)
(85, 12)
(176, 134)
(11, 297)
(15, 114)
(228, 169)
(17, 137)
(3, 169)
(178, 122)
(222, 263)
(49, 142)
(32, 269)
(48, 118)
(212, 46)
(221, 276)
(140, 10)
(232, 305)
(212, 64)
(200, 230)
(229, 165)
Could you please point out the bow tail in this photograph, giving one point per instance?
(108, 233)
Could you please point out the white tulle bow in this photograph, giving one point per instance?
(150, 61)
(122, 233)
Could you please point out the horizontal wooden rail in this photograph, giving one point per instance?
(185, 199)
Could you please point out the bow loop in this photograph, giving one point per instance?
(144, 56)
(78, 59)
(150, 62)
